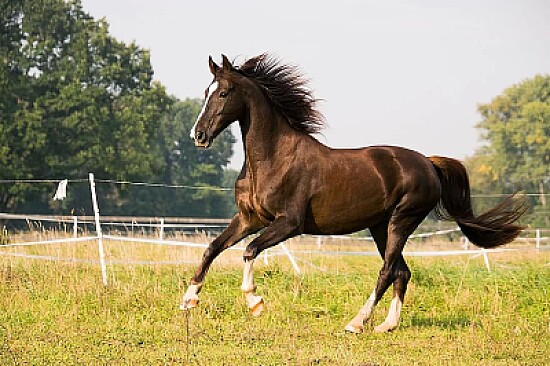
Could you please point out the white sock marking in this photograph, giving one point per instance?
(356, 324)
(191, 295)
(248, 277)
(249, 288)
(367, 309)
(394, 312)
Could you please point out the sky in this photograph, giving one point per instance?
(408, 73)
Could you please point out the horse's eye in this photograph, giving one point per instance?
(223, 94)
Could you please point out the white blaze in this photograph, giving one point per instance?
(211, 89)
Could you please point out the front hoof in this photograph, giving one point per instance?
(258, 308)
(189, 304)
(352, 328)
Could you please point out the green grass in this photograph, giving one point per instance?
(455, 313)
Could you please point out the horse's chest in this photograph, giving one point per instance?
(257, 203)
(261, 207)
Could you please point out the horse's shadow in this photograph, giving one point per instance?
(445, 322)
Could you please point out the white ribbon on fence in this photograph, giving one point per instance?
(61, 192)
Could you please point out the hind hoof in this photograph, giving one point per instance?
(258, 308)
(385, 328)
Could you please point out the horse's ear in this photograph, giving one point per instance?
(213, 67)
(226, 64)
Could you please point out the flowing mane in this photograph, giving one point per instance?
(287, 89)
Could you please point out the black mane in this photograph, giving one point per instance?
(287, 89)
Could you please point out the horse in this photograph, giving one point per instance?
(292, 184)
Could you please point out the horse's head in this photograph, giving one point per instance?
(223, 104)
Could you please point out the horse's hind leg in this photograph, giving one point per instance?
(380, 235)
(394, 270)
(402, 276)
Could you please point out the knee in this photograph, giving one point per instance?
(404, 275)
(211, 251)
(387, 275)
(207, 253)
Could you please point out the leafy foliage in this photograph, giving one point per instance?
(516, 126)
(75, 100)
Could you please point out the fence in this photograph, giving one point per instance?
(538, 237)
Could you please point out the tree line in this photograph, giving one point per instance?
(73, 100)
(515, 127)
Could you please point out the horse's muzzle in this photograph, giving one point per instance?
(202, 139)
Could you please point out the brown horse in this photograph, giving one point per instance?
(291, 184)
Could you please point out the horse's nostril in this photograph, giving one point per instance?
(200, 136)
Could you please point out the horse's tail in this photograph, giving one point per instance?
(493, 228)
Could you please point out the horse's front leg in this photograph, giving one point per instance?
(254, 302)
(236, 231)
(280, 230)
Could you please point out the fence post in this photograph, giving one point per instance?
(161, 229)
(466, 243)
(98, 230)
(537, 243)
(265, 257)
(291, 258)
(75, 226)
(486, 259)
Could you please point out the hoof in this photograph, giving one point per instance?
(257, 309)
(385, 328)
(356, 329)
(189, 304)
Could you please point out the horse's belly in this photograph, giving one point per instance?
(344, 217)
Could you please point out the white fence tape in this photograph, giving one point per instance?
(48, 242)
(161, 225)
(96, 261)
(49, 257)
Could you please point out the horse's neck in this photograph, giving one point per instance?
(266, 136)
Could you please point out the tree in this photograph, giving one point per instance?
(187, 165)
(516, 127)
(74, 99)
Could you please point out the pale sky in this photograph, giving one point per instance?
(408, 73)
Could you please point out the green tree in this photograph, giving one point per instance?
(19, 137)
(74, 99)
(516, 127)
(187, 165)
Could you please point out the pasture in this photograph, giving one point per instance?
(455, 313)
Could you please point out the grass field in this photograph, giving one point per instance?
(455, 313)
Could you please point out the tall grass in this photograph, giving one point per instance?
(455, 313)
